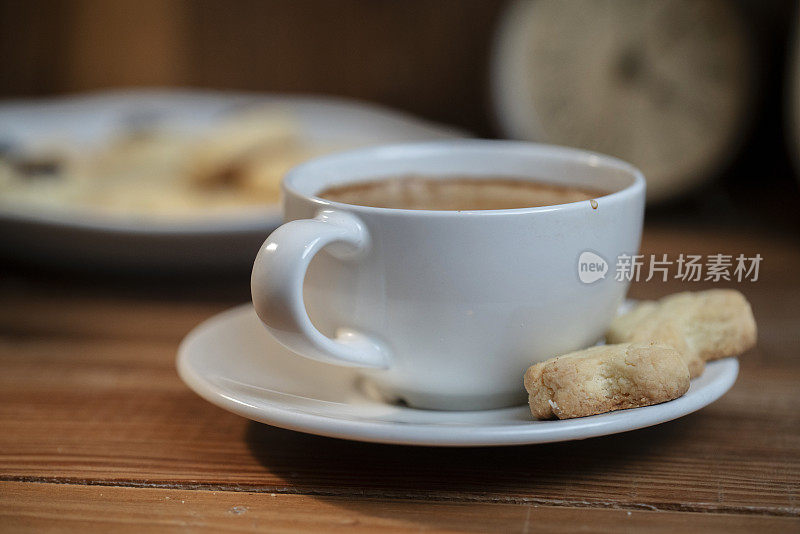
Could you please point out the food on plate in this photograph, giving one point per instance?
(154, 169)
(605, 378)
(702, 326)
(653, 351)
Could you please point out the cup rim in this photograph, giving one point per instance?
(592, 159)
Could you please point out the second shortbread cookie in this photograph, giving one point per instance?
(702, 326)
(605, 378)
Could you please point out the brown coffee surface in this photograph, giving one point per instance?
(456, 193)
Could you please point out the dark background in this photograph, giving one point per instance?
(427, 57)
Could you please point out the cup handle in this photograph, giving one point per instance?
(277, 288)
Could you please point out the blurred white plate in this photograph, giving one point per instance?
(146, 243)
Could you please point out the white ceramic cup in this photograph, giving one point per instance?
(446, 309)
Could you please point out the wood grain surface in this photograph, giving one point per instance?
(428, 58)
(98, 432)
(36, 507)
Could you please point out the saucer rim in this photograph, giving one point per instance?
(432, 434)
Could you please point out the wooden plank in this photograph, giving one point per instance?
(122, 43)
(32, 507)
(35, 317)
(88, 394)
(31, 51)
(116, 413)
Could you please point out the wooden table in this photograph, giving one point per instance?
(97, 432)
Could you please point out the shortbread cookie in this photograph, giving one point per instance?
(605, 378)
(702, 326)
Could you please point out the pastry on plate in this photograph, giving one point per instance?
(605, 378)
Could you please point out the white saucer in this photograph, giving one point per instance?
(231, 361)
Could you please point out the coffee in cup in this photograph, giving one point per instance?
(459, 193)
